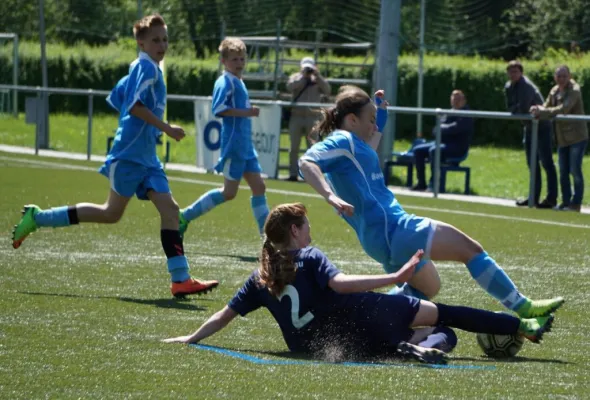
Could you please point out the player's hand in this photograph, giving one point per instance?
(180, 339)
(254, 111)
(340, 205)
(175, 132)
(407, 271)
(381, 94)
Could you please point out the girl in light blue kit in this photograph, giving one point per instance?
(344, 168)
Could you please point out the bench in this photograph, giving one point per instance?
(449, 165)
(402, 160)
(110, 140)
(452, 165)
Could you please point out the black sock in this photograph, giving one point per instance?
(172, 243)
(476, 320)
(73, 215)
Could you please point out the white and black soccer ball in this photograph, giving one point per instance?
(500, 346)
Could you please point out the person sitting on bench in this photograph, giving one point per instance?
(456, 133)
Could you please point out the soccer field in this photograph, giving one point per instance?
(84, 308)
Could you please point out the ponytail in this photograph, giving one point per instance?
(277, 268)
(325, 126)
(350, 100)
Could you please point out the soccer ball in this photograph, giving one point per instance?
(500, 346)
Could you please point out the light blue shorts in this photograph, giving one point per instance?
(411, 234)
(128, 178)
(234, 169)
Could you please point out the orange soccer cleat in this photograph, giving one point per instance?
(192, 286)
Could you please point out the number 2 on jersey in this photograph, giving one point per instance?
(298, 323)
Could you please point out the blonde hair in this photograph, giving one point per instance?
(277, 267)
(141, 27)
(231, 44)
(350, 99)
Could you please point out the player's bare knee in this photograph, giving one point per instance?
(259, 189)
(169, 211)
(432, 289)
(472, 249)
(229, 194)
(112, 215)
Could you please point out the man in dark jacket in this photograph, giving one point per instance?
(456, 133)
(521, 94)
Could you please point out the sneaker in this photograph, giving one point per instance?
(191, 286)
(524, 202)
(182, 224)
(546, 204)
(573, 207)
(418, 188)
(292, 179)
(539, 308)
(422, 354)
(25, 226)
(534, 328)
(561, 207)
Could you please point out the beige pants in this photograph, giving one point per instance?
(299, 127)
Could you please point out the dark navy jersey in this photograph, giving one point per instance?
(310, 313)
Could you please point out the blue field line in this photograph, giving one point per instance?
(262, 361)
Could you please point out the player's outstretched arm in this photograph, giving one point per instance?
(314, 176)
(140, 111)
(240, 112)
(381, 119)
(217, 322)
(343, 283)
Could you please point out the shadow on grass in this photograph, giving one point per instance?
(180, 304)
(394, 358)
(247, 259)
(517, 359)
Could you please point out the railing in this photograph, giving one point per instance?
(437, 112)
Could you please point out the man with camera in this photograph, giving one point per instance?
(305, 86)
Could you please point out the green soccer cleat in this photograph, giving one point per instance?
(534, 328)
(539, 308)
(182, 224)
(25, 226)
(422, 354)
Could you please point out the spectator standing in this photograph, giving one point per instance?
(572, 136)
(306, 86)
(522, 94)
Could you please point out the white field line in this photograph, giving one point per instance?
(313, 195)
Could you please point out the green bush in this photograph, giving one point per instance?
(482, 80)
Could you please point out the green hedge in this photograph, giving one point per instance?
(482, 80)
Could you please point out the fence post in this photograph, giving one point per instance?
(90, 111)
(533, 161)
(436, 177)
(15, 76)
(277, 61)
(38, 122)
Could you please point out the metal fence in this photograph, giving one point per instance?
(386, 153)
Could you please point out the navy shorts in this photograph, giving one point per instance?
(367, 324)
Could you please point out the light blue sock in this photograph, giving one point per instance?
(205, 203)
(260, 210)
(54, 217)
(408, 291)
(178, 268)
(494, 280)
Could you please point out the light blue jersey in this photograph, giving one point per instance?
(353, 171)
(236, 132)
(135, 140)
